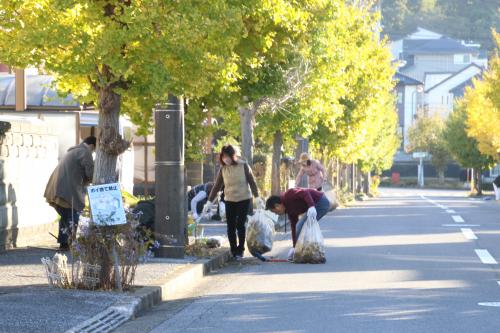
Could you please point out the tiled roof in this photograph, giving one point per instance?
(459, 90)
(452, 76)
(406, 80)
(435, 46)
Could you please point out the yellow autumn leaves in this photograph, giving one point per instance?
(483, 108)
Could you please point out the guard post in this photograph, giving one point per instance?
(170, 201)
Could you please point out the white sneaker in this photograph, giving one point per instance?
(291, 252)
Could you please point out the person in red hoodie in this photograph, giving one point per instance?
(295, 202)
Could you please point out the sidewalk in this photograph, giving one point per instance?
(27, 304)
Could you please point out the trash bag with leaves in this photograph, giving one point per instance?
(309, 248)
(260, 232)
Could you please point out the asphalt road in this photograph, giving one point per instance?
(403, 262)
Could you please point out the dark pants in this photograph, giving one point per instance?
(236, 215)
(322, 207)
(67, 223)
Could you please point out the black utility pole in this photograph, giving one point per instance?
(170, 202)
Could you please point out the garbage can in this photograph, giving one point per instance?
(396, 176)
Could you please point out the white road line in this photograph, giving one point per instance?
(493, 304)
(442, 207)
(498, 283)
(460, 225)
(450, 211)
(485, 257)
(457, 218)
(468, 233)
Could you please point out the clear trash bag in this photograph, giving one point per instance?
(260, 232)
(309, 248)
(222, 210)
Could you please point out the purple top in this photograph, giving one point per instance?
(297, 201)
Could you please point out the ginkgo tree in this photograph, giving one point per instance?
(463, 148)
(426, 135)
(124, 56)
(343, 100)
(483, 107)
(350, 91)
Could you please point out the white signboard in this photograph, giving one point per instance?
(106, 204)
(419, 155)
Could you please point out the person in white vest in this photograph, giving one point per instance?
(239, 184)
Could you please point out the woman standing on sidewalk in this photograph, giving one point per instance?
(239, 184)
(313, 169)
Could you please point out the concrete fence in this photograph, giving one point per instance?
(28, 155)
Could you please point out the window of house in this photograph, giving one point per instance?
(400, 98)
(460, 59)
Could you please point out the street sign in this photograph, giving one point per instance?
(106, 204)
(419, 155)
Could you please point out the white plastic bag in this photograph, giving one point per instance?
(260, 232)
(222, 210)
(310, 246)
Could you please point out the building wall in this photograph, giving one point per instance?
(433, 79)
(411, 97)
(439, 100)
(432, 63)
(28, 155)
(396, 48)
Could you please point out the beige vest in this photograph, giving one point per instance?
(236, 186)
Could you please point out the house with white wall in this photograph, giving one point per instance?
(440, 97)
(36, 129)
(420, 33)
(433, 72)
(408, 97)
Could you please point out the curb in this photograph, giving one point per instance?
(175, 286)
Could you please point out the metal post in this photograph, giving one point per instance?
(421, 173)
(170, 202)
(21, 100)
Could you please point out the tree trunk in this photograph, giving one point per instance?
(441, 176)
(110, 143)
(353, 178)
(477, 184)
(331, 172)
(367, 182)
(275, 171)
(472, 180)
(337, 174)
(247, 120)
(359, 179)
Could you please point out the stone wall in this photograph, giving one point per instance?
(28, 155)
